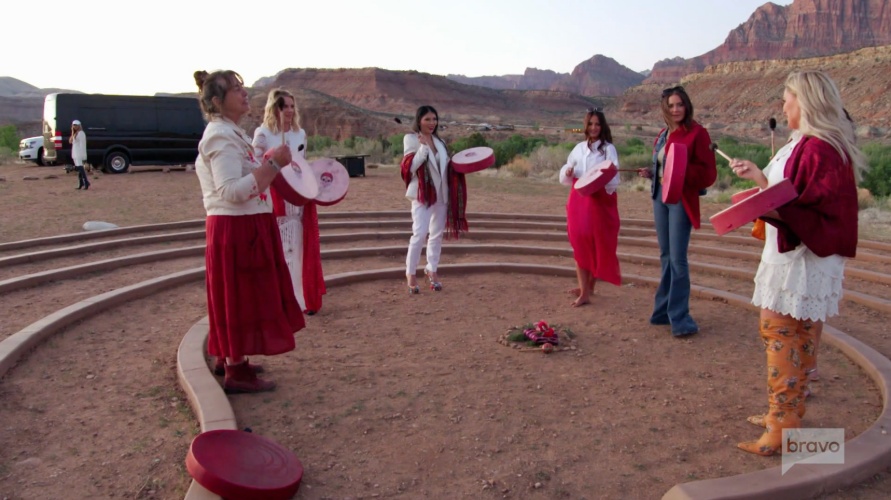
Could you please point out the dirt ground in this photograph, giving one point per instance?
(395, 396)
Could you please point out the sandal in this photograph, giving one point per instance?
(436, 286)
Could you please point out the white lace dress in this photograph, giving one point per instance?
(796, 283)
(291, 228)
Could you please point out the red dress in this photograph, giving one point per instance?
(250, 299)
(592, 224)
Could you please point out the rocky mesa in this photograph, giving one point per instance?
(803, 29)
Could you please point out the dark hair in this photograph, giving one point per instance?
(423, 110)
(606, 135)
(212, 85)
(688, 106)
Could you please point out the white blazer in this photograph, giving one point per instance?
(438, 162)
(582, 159)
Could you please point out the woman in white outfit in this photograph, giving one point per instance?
(78, 142)
(426, 172)
(807, 241)
(282, 118)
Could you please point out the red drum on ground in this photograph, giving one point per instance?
(595, 179)
(473, 160)
(333, 180)
(752, 207)
(673, 173)
(296, 183)
(240, 465)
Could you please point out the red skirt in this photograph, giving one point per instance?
(592, 223)
(250, 299)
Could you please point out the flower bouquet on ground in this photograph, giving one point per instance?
(539, 336)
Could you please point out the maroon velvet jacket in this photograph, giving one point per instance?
(701, 168)
(824, 216)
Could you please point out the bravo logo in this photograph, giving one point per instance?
(812, 446)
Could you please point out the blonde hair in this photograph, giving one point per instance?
(275, 102)
(212, 85)
(823, 116)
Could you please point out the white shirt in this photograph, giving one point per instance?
(437, 161)
(265, 139)
(582, 159)
(79, 148)
(224, 166)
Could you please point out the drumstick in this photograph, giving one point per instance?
(773, 125)
(281, 118)
(714, 147)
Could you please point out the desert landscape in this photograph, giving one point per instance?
(391, 395)
(396, 396)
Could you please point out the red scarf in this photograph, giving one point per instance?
(456, 221)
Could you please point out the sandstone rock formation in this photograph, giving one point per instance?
(597, 76)
(740, 97)
(806, 28)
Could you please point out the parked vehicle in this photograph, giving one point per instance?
(123, 130)
(31, 149)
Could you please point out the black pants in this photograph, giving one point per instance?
(82, 180)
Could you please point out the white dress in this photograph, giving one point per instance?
(291, 224)
(796, 283)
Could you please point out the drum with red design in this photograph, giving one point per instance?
(673, 173)
(297, 182)
(333, 180)
(752, 204)
(242, 465)
(473, 160)
(595, 179)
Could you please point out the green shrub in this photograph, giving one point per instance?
(9, 137)
(474, 140)
(878, 178)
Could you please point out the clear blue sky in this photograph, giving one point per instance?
(121, 47)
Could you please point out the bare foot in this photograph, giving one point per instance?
(574, 291)
(581, 301)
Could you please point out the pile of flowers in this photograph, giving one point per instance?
(539, 337)
(542, 333)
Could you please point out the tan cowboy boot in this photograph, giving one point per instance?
(784, 381)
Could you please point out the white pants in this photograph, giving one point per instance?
(425, 220)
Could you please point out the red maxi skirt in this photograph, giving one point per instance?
(592, 223)
(250, 299)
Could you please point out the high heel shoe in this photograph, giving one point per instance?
(436, 286)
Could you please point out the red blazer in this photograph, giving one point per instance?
(824, 216)
(701, 168)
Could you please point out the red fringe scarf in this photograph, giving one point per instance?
(456, 221)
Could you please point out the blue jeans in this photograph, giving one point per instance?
(672, 305)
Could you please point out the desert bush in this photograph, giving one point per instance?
(7, 154)
(516, 145)
(520, 166)
(878, 178)
(9, 137)
(474, 140)
(547, 160)
(865, 199)
(319, 142)
(756, 153)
